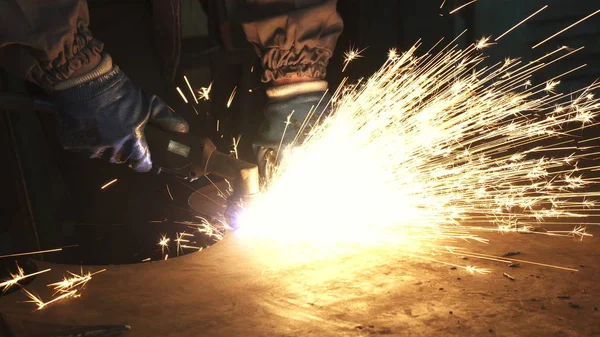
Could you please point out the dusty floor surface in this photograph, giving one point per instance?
(227, 291)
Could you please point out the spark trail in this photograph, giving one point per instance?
(16, 278)
(351, 55)
(433, 148)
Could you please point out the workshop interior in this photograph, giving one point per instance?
(84, 214)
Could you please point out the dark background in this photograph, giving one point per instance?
(50, 198)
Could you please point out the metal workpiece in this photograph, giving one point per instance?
(18, 327)
(237, 288)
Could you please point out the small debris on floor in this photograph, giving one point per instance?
(595, 308)
(514, 265)
(359, 327)
(543, 307)
(508, 276)
(564, 297)
(581, 266)
(511, 254)
(574, 305)
(453, 268)
(464, 258)
(458, 278)
(441, 289)
(451, 313)
(490, 330)
(371, 326)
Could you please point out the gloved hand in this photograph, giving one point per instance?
(298, 100)
(104, 115)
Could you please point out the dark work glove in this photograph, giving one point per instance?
(271, 137)
(105, 117)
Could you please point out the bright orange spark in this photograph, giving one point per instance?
(190, 87)
(205, 92)
(236, 143)
(163, 242)
(520, 23)
(565, 29)
(41, 304)
(16, 278)
(108, 184)
(74, 281)
(461, 7)
(351, 55)
(231, 96)
(169, 192)
(484, 42)
(179, 240)
(446, 142)
(32, 253)
(182, 95)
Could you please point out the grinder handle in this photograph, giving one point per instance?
(185, 155)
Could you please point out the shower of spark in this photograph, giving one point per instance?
(433, 149)
(72, 282)
(351, 55)
(207, 228)
(41, 304)
(204, 92)
(211, 229)
(69, 287)
(16, 278)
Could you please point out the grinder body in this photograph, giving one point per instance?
(190, 157)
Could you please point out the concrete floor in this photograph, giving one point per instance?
(227, 290)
